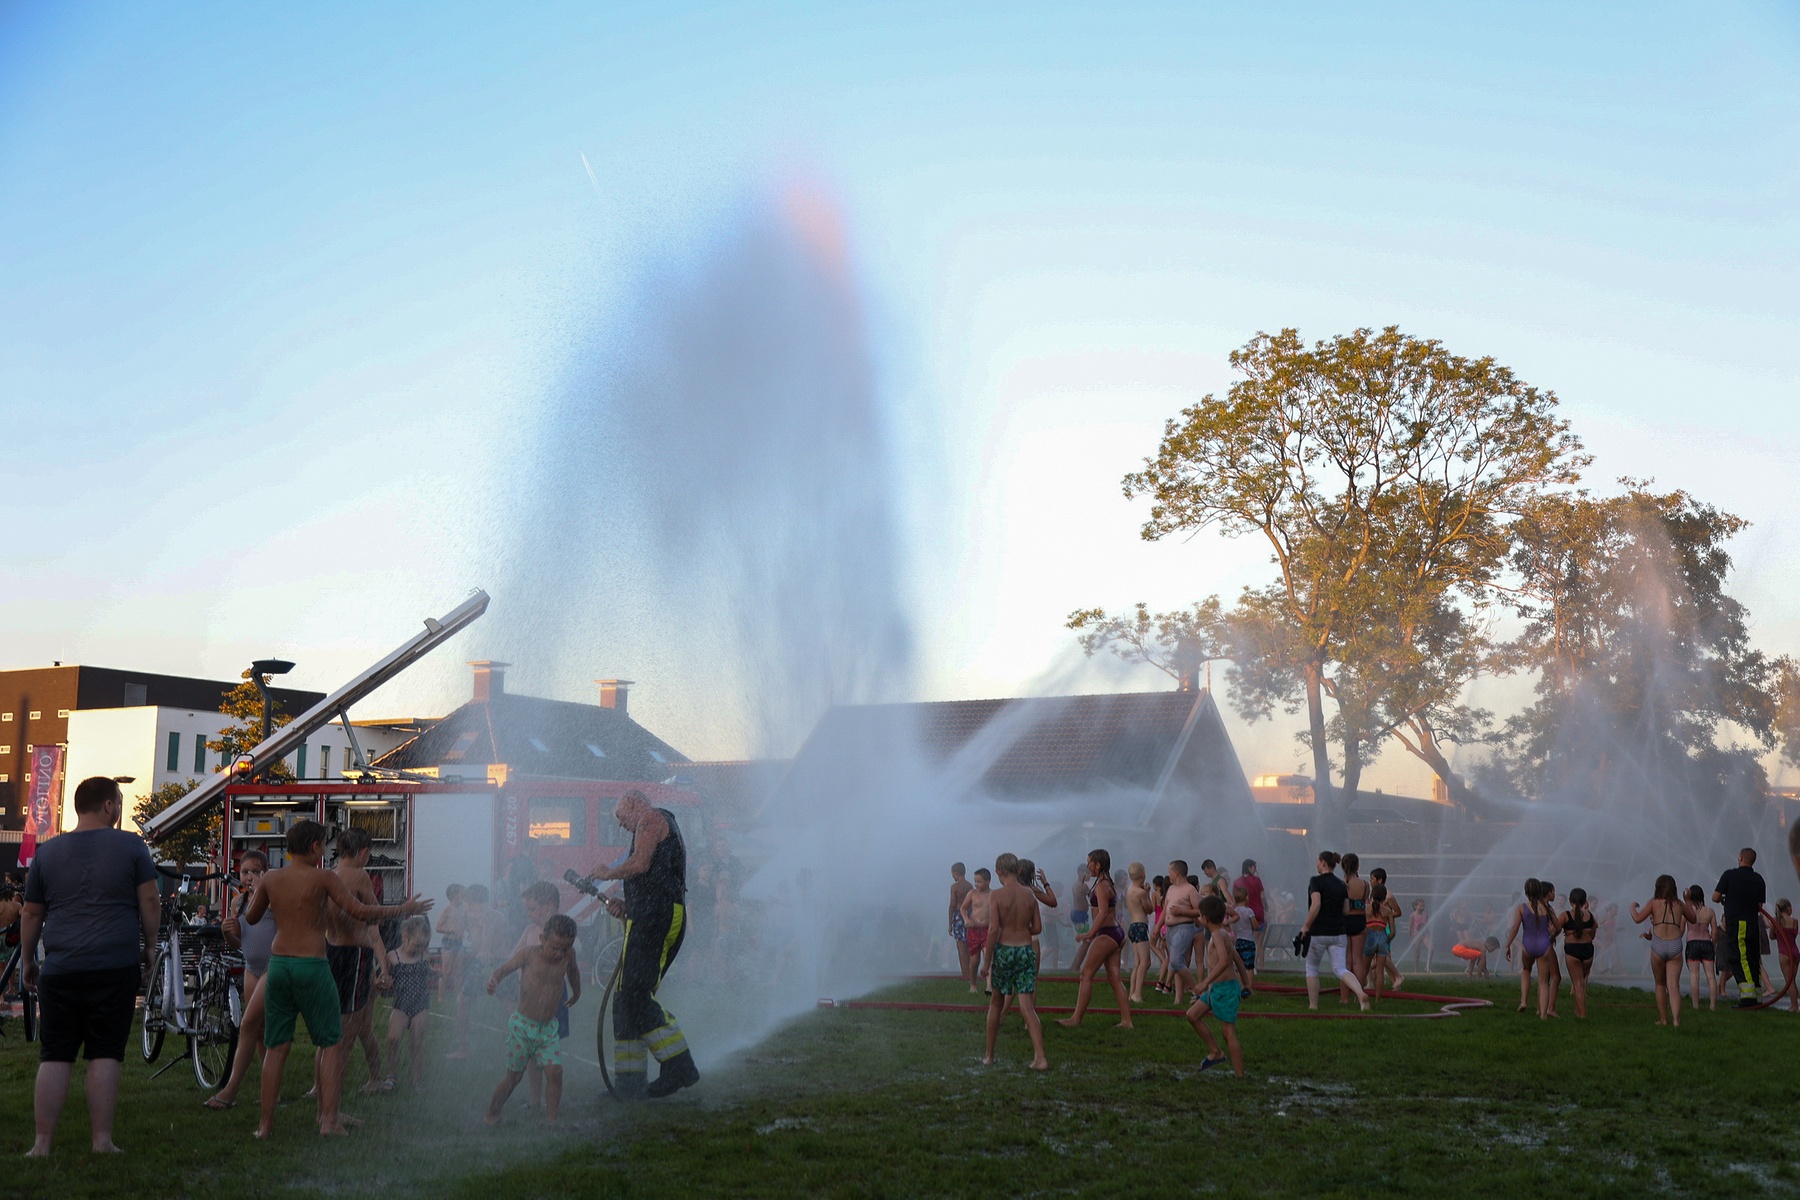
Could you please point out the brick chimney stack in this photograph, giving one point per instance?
(614, 692)
(490, 679)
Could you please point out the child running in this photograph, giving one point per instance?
(1015, 923)
(975, 917)
(1223, 985)
(412, 1000)
(531, 1035)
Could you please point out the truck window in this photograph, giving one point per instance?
(557, 821)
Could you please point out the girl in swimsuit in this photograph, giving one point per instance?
(1668, 917)
(1547, 891)
(1536, 921)
(1578, 929)
(1418, 929)
(1159, 942)
(1782, 928)
(1701, 951)
(1103, 943)
(1356, 922)
(1390, 909)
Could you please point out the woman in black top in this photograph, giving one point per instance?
(1578, 929)
(1324, 925)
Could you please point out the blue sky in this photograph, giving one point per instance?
(280, 286)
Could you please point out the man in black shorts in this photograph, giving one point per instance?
(90, 893)
(1742, 893)
(655, 913)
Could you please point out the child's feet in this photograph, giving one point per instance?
(1210, 1061)
(1039, 1064)
(1069, 1023)
(987, 1062)
(491, 1117)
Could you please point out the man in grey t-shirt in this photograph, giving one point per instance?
(90, 893)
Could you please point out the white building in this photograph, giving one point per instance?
(156, 746)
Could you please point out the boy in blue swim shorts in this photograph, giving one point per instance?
(1220, 989)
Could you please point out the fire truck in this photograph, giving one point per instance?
(425, 833)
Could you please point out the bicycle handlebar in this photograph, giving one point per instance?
(171, 873)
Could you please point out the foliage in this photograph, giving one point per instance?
(196, 842)
(244, 704)
(1176, 643)
(1640, 648)
(1383, 472)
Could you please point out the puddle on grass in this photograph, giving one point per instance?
(783, 1124)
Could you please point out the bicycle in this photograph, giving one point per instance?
(194, 990)
(11, 976)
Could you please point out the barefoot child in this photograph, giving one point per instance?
(542, 901)
(1137, 931)
(1244, 929)
(1015, 922)
(1418, 928)
(450, 924)
(975, 907)
(299, 982)
(412, 1000)
(1224, 983)
(1038, 884)
(531, 1035)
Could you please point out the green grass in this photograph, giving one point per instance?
(893, 1103)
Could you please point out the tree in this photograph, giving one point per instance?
(243, 703)
(1176, 643)
(1643, 657)
(198, 841)
(1382, 472)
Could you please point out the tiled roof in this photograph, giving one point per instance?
(533, 736)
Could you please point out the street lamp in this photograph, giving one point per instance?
(260, 670)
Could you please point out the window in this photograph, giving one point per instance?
(200, 754)
(5, 716)
(174, 752)
(596, 751)
(557, 822)
(324, 762)
(63, 713)
(464, 740)
(538, 746)
(5, 749)
(300, 762)
(659, 756)
(35, 716)
(5, 778)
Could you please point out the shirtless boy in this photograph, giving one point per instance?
(959, 888)
(1015, 922)
(1137, 907)
(975, 924)
(299, 982)
(1221, 988)
(1181, 909)
(1038, 884)
(358, 958)
(531, 1035)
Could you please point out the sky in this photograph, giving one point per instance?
(281, 286)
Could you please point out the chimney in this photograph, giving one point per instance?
(613, 693)
(490, 679)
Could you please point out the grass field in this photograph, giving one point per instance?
(850, 1102)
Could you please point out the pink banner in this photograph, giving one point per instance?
(43, 804)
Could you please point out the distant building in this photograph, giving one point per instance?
(498, 735)
(1285, 803)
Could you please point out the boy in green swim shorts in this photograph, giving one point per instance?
(1221, 987)
(299, 982)
(1015, 920)
(531, 1033)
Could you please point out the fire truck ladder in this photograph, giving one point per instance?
(334, 707)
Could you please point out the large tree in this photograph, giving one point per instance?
(1644, 659)
(195, 842)
(1381, 470)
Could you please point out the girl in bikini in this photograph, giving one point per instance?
(1103, 943)
(1578, 930)
(1534, 924)
(1668, 917)
(1418, 928)
(1701, 952)
(1782, 928)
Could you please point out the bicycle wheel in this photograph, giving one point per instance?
(215, 1036)
(156, 1020)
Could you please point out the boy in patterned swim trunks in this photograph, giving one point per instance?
(959, 888)
(1014, 920)
(1220, 989)
(531, 1033)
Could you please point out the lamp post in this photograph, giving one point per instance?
(260, 670)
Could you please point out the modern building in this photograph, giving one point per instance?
(151, 728)
(498, 735)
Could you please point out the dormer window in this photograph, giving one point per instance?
(596, 751)
(463, 741)
(538, 746)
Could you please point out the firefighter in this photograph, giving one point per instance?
(654, 909)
